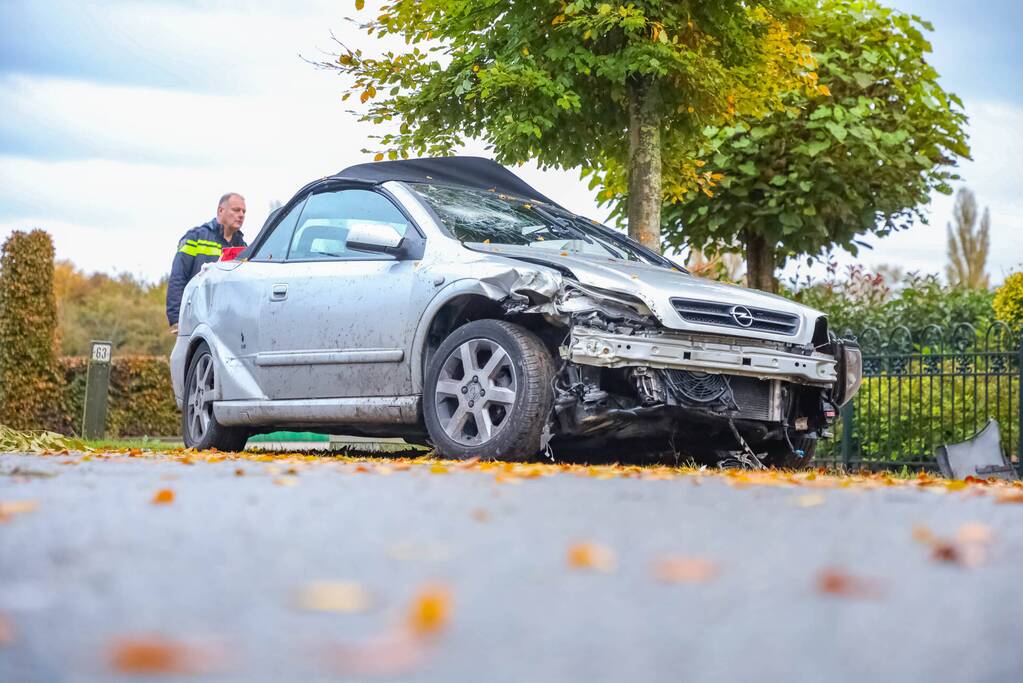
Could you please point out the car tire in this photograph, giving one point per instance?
(509, 362)
(781, 455)
(198, 423)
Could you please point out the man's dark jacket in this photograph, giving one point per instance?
(199, 246)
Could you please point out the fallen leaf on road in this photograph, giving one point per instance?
(810, 500)
(1010, 496)
(387, 656)
(685, 570)
(430, 610)
(480, 515)
(286, 481)
(16, 507)
(334, 596)
(239, 472)
(969, 548)
(839, 583)
(163, 497)
(591, 556)
(157, 655)
(438, 469)
(6, 631)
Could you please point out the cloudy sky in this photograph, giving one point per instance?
(124, 120)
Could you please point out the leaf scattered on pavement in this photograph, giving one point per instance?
(591, 556)
(685, 570)
(157, 655)
(842, 584)
(163, 497)
(10, 508)
(969, 547)
(430, 610)
(334, 596)
(6, 631)
(810, 500)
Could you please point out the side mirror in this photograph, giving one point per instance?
(374, 237)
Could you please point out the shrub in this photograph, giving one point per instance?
(1008, 302)
(28, 324)
(141, 399)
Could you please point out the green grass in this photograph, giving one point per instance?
(139, 442)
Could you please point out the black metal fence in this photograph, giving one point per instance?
(925, 388)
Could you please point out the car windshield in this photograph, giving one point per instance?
(484, 217)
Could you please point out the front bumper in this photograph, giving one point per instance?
(589, 346)
(177, 369)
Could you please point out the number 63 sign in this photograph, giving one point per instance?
(101, 352)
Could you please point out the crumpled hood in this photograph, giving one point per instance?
(656, 286)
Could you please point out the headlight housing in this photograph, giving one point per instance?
(850, 370)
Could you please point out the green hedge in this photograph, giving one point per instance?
(141, 399)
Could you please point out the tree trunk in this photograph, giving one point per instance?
(760, 261)
(645, 165)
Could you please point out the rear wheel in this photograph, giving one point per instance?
(488, 392)
(198, 423)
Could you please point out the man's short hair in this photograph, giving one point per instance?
(227, 197)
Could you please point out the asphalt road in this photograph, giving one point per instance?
(220, 567)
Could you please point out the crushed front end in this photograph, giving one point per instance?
(707, 396)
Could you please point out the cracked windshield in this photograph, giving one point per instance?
(481, 217)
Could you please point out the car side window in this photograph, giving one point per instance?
(275, 248)
(330, 217)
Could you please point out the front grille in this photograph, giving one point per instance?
(730, 315)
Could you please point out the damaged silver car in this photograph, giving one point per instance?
(447, 302)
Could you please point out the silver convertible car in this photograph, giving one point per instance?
(447, 302)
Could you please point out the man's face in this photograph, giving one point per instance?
(232, 213)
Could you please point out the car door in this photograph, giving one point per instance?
(334, 320)
(239, 297)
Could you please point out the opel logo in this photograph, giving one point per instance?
(742, 316)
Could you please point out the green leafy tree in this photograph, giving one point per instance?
(617, 88)
(861, 157)
(28, 323)
(968, 243)
(1009, 301)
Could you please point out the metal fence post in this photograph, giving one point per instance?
(846, 413)
(97, 384)
(1019, 424)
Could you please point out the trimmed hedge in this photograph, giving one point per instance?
(141, 399)
(28, 326)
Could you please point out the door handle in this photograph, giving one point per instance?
(278, 293)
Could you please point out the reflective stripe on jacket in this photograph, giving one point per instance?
(199, 246)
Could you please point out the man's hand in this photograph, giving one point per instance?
(173, 329)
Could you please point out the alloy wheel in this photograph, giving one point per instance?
(199, 405)
(475, 391)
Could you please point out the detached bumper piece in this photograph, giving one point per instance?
(603, 349)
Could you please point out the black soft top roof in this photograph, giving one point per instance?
(474, 172)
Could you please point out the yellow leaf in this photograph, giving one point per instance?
(591, 556)
(359, 4)
(824, 90)
(334, 596)
(379, 157)
(560, 19)
(430, 611)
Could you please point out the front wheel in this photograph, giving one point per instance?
(488, 392)
(198, 423)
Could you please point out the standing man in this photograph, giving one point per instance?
(202, 245)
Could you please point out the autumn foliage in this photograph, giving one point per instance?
(28, 326)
